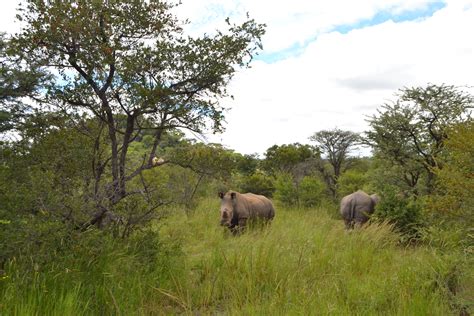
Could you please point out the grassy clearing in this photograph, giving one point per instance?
(303, 264)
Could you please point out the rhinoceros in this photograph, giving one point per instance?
(376, 198)
(357, 207)
(237, 209)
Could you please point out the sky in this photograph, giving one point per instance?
(328, 64)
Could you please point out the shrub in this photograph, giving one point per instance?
(311, 191)
(452, 205)
(85, 273)
(351, 181)
(285, 190)
(258, 183)
(404, 213)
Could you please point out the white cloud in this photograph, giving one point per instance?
(293, 21)
(342, 78)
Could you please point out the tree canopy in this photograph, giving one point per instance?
(285, 158)
(335, 146)
(130, 75)
(411, 131)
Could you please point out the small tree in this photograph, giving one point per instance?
(258, 183)
(287, 158)
(285, 189)
(247, 164)
(351, 181)
(404, 213)
(335, 145)
(311, 191)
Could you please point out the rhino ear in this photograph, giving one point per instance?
(233, 195)
(221, 195)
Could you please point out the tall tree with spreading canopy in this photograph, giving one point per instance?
(411, 132)
(335, 145)
(129, 65)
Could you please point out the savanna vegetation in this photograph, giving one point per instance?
(106, 207)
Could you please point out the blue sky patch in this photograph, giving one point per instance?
(381, 17)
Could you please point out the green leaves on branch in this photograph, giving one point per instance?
(129, 66)
(411, 131)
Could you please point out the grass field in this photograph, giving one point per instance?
(303, 264)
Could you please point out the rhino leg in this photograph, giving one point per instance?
(349, 223)
(242, 222)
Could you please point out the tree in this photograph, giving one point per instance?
(130, 75)
(286, 158)
(411, 131)
(335, 145)
(454, 198)
(16, 82)
(258, 183)
(351, 181)
(289, 164)
(247, 164)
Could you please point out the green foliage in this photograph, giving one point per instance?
(335, 145)
(50, 173)
(140, 77)
(308, 192)
(411, 131)
(285, 190)
(258, 183)
(452, 205)
(53, 270)
(211, 160)
(404, 213)
(17, 81)
(351, 181)
(303, 257)
(384, 173)
(247, 164)
(311, 191)
(285, 158)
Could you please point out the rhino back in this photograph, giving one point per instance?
(356, 206)
(253, 205)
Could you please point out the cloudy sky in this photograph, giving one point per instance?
(328, 64)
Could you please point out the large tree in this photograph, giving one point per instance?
(411, 131)
(128, 65)
(335, 146)
(17, 81)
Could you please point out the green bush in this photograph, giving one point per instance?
(351, 181)
(311, 191)
(258, 183)
(285, 190)
(51, 269)
(404, 213)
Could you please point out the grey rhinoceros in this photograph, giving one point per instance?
(357, 207)
(237, 209)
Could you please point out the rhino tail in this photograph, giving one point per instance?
(352, 210)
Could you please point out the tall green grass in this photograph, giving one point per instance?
(304, 263)
(93, 274)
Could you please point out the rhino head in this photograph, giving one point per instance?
(227, 207)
